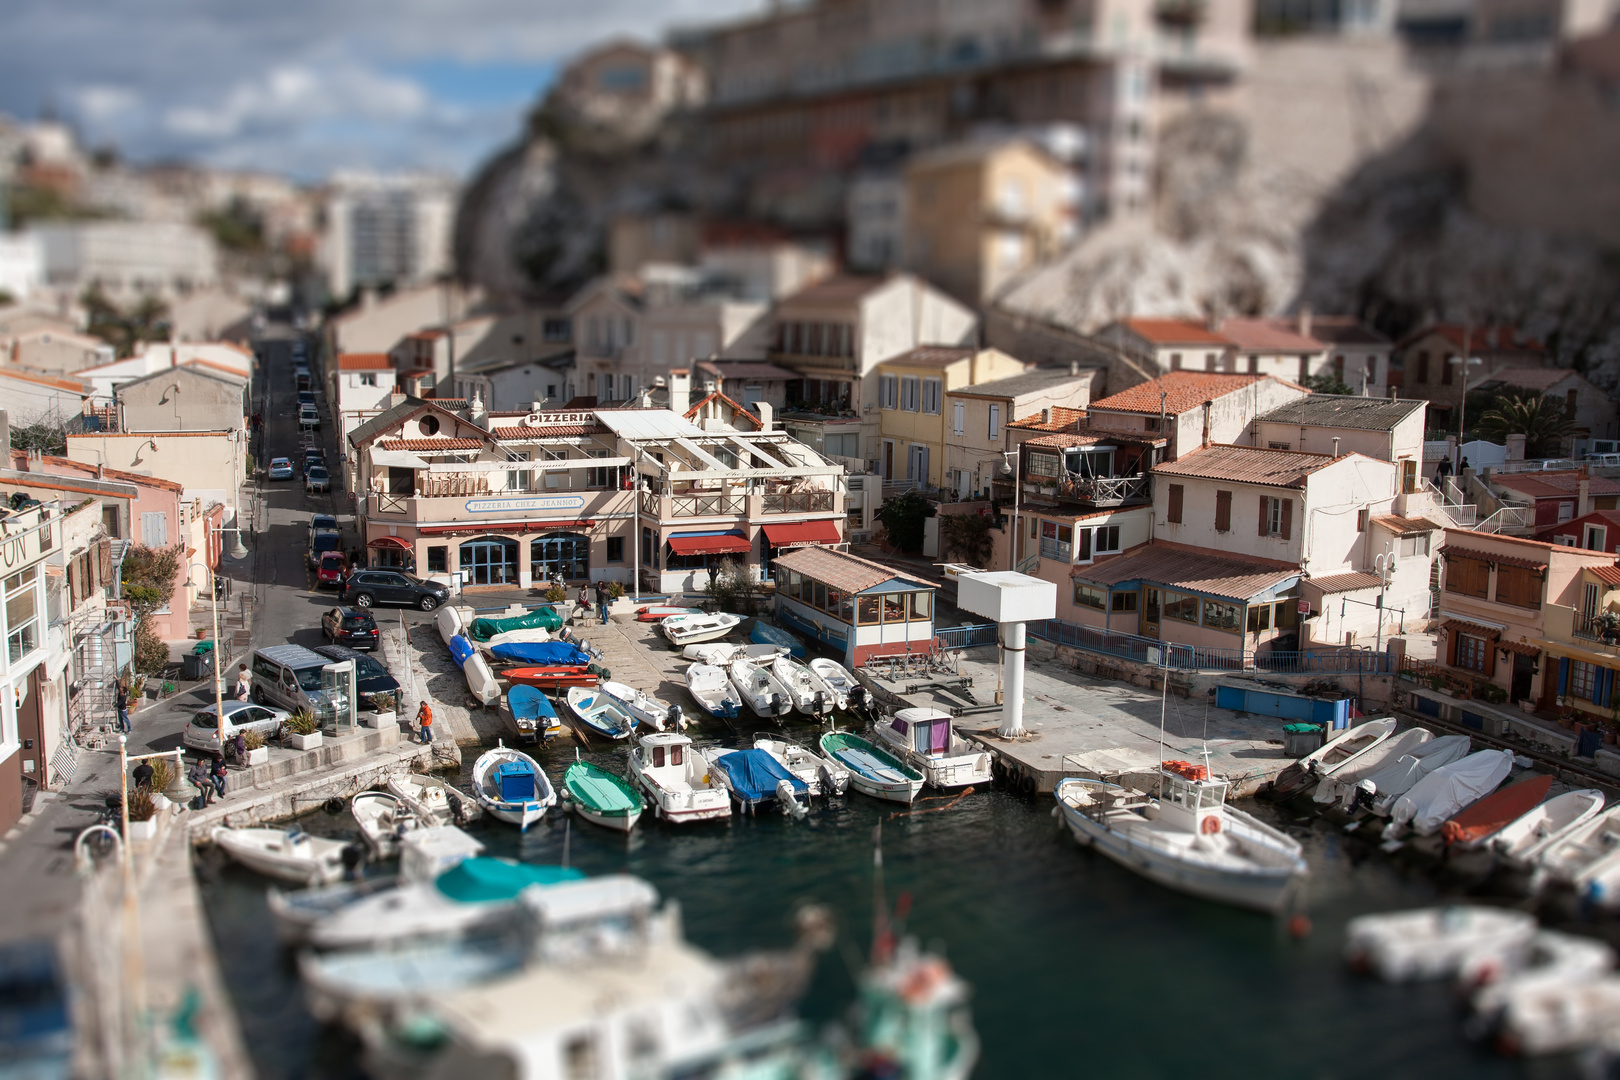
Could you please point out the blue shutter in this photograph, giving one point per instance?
(1597, 685)
(1563, 676)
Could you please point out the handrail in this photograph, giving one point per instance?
(1512, 517)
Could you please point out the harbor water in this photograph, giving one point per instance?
(1078, 967)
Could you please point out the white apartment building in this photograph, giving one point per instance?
(127, 259)
(391, 229)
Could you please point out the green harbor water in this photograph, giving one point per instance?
(1078, 967)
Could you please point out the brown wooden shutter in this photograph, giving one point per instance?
(1451, 646)
(1265, 507)
(1288, 519)
(1223, 511)
(1175, 503)
(1490, 657)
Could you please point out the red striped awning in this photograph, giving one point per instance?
(723, 544)
(803, 534)
(389, 542)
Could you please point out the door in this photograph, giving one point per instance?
(1408, 475)
(917, 465)
(1524, 667)
(393, 588)
(888, 460)
(1149, 621)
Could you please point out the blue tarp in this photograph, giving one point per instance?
(545, 653)
(754, 774)
(515, 781)
(460, 650)
(527, 703)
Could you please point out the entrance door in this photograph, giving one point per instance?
(917, 465)
(489, 562)
(888, 459)
(565, 555)
(1149, 622)
(1523, 669)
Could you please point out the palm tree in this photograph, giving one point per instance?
(1541, 420)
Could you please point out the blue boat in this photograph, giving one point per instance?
(754, 777)
(764, 633)
(531, 714)
(541, 653)
(461, 650)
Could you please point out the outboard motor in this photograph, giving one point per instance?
(823, 703)
(776, 705)
(674, 720)
(1365, 792)
(858, 700)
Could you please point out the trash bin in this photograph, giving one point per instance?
(193, 666)
(1301, 739)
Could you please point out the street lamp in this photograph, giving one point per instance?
(238, 552)
(1008, 468)
(1462, 409)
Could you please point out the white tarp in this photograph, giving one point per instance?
(1450, 788)
(403, 459)
(1399, 776)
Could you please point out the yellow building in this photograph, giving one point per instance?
(911, 402)
(977, 214)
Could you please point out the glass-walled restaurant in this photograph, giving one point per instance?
(849, 603)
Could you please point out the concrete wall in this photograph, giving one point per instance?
(208, 464)
(1405, 441)
(182, 399)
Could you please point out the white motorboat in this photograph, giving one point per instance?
(480, 679)
(822, 775)
(1431, 943)
(450, 623)
(532, 636)
(925, 740)
(808, 693)
(430, 798)
(754, 777)
(760, 690)
(684, 630)
(1187, 838)
(511, 786)
(1335, 784)
(1379, 789)
(1579, 851)
(719, 654)
(873, 770)
(1521, 842)
(1556, 1017)
(712, 690)
(1303, 774)
(835, 679)
(290, 855)
(384, 819)
(601, 714)
(645, 708)
(1490, 976)
(1447, 790)
(677, 779)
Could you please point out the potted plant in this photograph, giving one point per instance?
(387, 709)
(257, 752)
(302, 730)
(1606, 624)
(142, 814)
(162, 777)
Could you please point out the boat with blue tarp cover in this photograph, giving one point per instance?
(531, 715)
(460, 650)
(764, 633)
(544, 653)
(511, 786)
(754, 777)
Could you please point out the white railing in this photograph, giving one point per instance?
(1103, 489)
(1509, 517)
(1537, 465)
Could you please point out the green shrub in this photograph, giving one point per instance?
(302, 722)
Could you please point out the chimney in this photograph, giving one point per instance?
(1046, 416)
(1583, 498)
(1515, 447)
(1335, 446)
(1394, 393)
(1304, 320)
(766, 417)
(680, 392)
(1207, 405)
(475, 410)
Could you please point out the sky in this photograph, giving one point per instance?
(303, 87)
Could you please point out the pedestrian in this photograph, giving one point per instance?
(201, 777)
(242, 681)
(1444, 470)
(584, 603)
(424, 723)
(239, 748)
(217, 774)
(143, 775)
(121, 699)
(1462, 466)
(601, 601)
(343, 580)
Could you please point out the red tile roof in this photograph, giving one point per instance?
(19, 461)
(43, 380)
(1062, 418)
(1267, 335)
(741, 411)
(1194, 570)
(1403, 526)
(1452, 551)
(1339, 330)
(419, 445)
(350, 361)
(523, 433)
(850, 573)
(1337, 583)
(1183, 390)
(1074, 438)
(1481, 338)
(1247, 465)
(1609, 575)
(1551, 485)
(1175, 332)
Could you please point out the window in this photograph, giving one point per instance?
(1361, 520)
(1181, 607)
(1123, 601)
(1422, 373)
(1220, 615)
(1595, 535)
(1090, 596)
(922, 606)
(1209, 361)
(1582, 677)
(518, 479)
(1175, 361)
(908, 393)
(1519, 586)
(867, 610)
(1259, 618)
(958, 414)
(930, 396)
(438, 559)
(600, 476)
(1042, 463)
(1150, 608)
(846, 445)
(1173, 514)
(1415, 545)
(887, 397)
(1056, 540)
(1446, 369)
(648, 549)
(615, 549)
(1566, 510)
(1471, 652)
(1276, 517)
(1105, 539)
(22, 613)
(1279, 446)
(1223, 511)
(368, 380)
(995, 421)
(894, 607)
(1469, 577)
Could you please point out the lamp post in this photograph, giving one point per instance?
(1462, 408)
(238, 552)
(1384, 563)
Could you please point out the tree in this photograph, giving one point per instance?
(1328, 383)
(148, 320)
(48, 436)
(902, 518)
(967, 537)
(147, 583)
(1541, 420)
(733, 589)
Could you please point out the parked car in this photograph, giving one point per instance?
(384, 586)
(289, 677)
(322, 542)
(200, 734)
(36, 1027)
(314, 457)
(316, 479)
(280, 469)
(306, 397)
(350, 626)
(370, 676)
(309, 416)
(319, 523)
(333, 566)
(1602, 461)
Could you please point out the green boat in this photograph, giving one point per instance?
(601, 797)
(539, 619)
(872, 770)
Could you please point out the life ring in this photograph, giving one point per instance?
(1211, 825)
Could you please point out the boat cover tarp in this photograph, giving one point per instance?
(514, 780)
(527, 703)
(764, 633)
(460, 650)
(482, 880)
(538, 619)
(1492, 813)
(1450, 788)
(1399, 775)
(541, 653)
(754, 774)
(599, 791)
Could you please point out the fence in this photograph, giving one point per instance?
(965, 637)
(1146, 650)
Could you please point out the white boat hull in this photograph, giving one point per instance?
(292, 857)
(681, 793)
(617, 822)
(684, 630)
(521, 813)
(480, 680)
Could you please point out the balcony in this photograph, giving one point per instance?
(1093, 490)
(798, 502)
(735, 504)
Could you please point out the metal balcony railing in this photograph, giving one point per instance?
(1602, 627)
(708, 504)
(1509, 517)
(798, 502)
(1103, 489)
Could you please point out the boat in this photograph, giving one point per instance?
(285, 854)
(1430, 943)
(754, 777)
(480, 680)
(808, 694)
(1490, 977)
(764, 633)
(602, 798)
(1447, 790)
(835, 679)
(1336, 783)
(1474, 827)
(1555, 1017)
(384, 819)
(600, 713)
(537, 636)
(530, 715)
(476, 893)
(1187, 839)
(338, 981)
(1521, 842)
(872, 770)
(684, 630)
(1378, 790)
(449, 623)
(553, 677)
(924, 739)
(461, 649)
(677, 779)
(719, 653)
(540, 653)
(511, 786)
(713, 691)
(645, 708)
(660, 612)
(431, 799)
(538, 619)
(759, 689)
(822, 775)
(1298, 779)
(1579, 850)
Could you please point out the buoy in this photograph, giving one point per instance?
(1299, 926)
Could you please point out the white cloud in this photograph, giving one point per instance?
(292, 97)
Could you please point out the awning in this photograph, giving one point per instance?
(1477, 629)
(803, 534)
(478, 528)
(403, 459)
(718, 544)
(389, 542)
(1521, 647)
(1490, 556)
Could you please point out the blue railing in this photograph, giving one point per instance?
(1146, 650)
(965, 637)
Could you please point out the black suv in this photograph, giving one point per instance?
(351, 627)
(383, 586)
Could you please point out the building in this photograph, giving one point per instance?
(977, 418)
(358, 387)
(224, 358)
(751, 381)
(1165, 345)
(1598, 530)
(28, 536)
(1192, 408)
(209, 466)
(875, 235)
(853, 605)
(22, 264)
(1357, 355)
(1388, 429)
(386, 230)
(1422, 364)
(127, 260)
(192, 397)
(913, 424)
(1591, 409)
(376, 324)
(31, 398)
(1555, 497)
(57, 352)
(980, 213)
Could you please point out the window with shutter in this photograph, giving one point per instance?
(958, 412)
(1223, 511)
(1174, 513)
(995, 421)
(1468, 577)
(1287, 530)
(155, 529)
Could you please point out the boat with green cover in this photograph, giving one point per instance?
(872, 770)
(539, 619)
(602, 798)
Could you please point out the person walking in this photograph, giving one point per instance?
(217, 774)
(601, 601)
(1462, 466)
(201, 777)
(239, 748)
(121, 699)
(424, 723)
(143, 775)
(1443, 471)
(242, 682)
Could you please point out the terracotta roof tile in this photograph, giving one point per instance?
(43, 380)
(1268, 335)
(1340, 330)
(1451, 551)
(1609, 575)
(364, 361)
(1403, 526)
(1551, 485)
(1196, 571)
(1175, 332)
(1062, 418)
(1337, 583)
(1247, 465)
(417, 446)
(524, 433)
(848, 572)
(1183, 390)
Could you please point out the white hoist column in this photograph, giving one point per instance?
(1012, 679)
